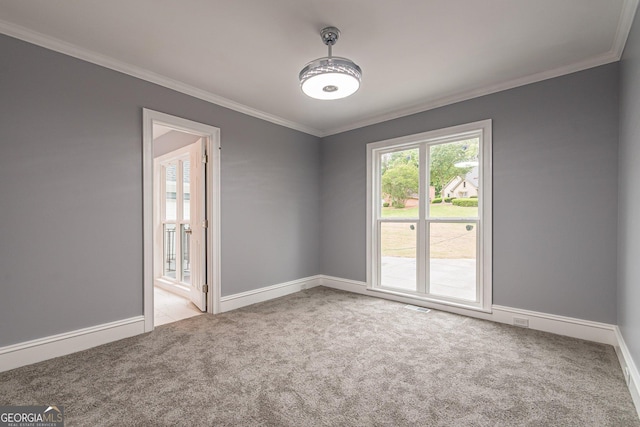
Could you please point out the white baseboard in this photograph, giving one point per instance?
(26, 353)
(58, 345)
(244, 299)
(629, 369)
(560, 325)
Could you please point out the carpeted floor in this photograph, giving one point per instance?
(322, 357)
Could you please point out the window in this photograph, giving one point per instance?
(423, 243)
(175, 220)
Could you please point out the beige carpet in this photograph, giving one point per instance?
(328, 358)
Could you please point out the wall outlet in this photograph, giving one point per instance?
(523, 323)
(627, 375)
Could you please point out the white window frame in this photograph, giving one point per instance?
(481, 129)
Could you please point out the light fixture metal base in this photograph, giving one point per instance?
(330, 35)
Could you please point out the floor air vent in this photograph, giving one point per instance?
(416, 308)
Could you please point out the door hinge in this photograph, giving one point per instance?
(205, 158)
(205, 223)
(205, 288)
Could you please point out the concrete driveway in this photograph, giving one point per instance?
(453, 278)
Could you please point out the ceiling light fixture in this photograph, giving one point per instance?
(330, 77)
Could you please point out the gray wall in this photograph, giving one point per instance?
(554, 189)
(71, 174)
(71, 216)
(629, 197)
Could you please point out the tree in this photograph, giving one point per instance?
(444, 158)
(400, 169)
(400, 181)
(397, 158)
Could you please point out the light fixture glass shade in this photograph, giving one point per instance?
(330, 78)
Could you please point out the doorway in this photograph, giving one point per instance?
(179, 198)
(181, 218)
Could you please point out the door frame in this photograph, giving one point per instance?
(211, 135)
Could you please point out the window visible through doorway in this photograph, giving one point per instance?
(175, 216)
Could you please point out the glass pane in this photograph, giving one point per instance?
(186, 189)
(170, 192)
(399, 180)
(452, 266)
(169, 249)
(398, 242)
(185, 247)
(454, 179)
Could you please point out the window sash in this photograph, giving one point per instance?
(482, 222)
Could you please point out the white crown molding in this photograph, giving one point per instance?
(625, 22)
(614, 54)
(69, 49)
(603, 59)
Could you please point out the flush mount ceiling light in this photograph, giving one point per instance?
(330, 77)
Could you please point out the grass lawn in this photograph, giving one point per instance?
(452, 241)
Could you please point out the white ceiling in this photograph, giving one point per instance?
(246, 54)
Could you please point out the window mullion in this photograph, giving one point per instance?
(178, 220)
(378, 254)
(422, 254)
(163, 193)
(376, 214)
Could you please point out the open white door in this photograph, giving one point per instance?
(198, 241)
(194, 265)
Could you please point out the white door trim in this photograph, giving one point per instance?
(212, 136)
